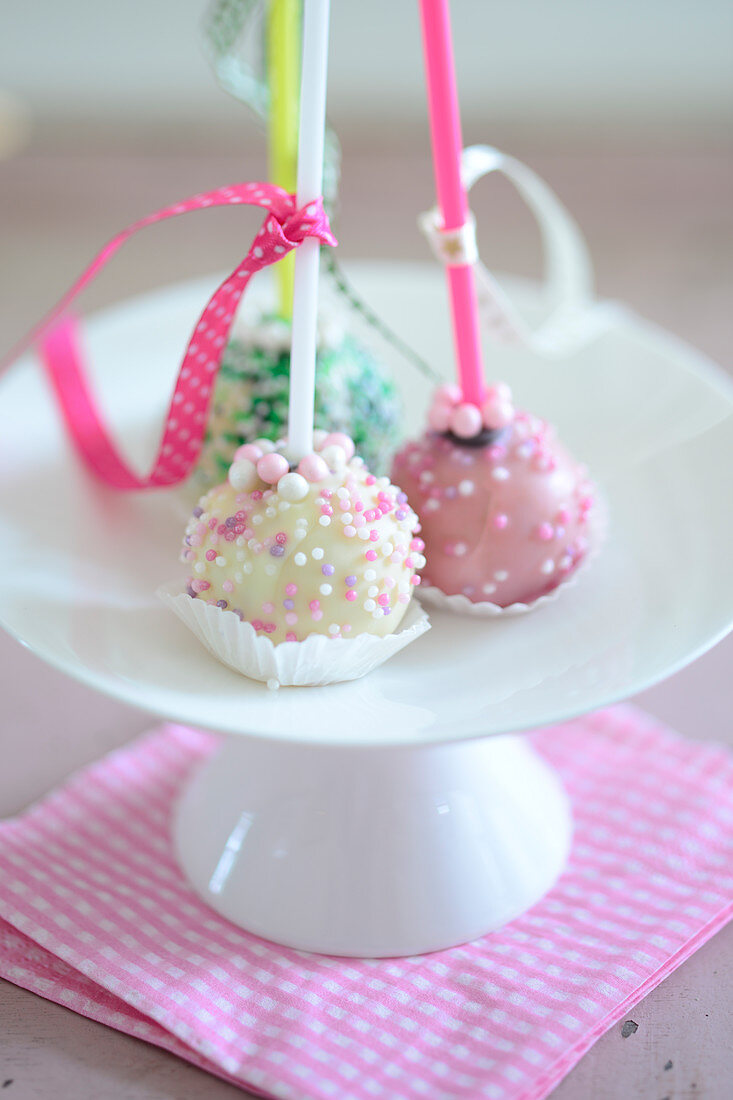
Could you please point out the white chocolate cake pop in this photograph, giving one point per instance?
(504, 508)
(324, 548)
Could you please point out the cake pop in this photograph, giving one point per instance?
(355, 394)
(324, 547)
(504, 508)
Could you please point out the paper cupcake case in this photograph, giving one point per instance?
(459, 604)
(316, 661)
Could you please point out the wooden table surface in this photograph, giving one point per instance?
(660, 226)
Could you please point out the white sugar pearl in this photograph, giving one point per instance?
(466, 488)
(256, 520)
(325, 521)
(346, 518)
(500, 575)
(292, 487)
(300, 559)
(334, 456)
(265, 445)
(372, 590)
(363, 533)
(369, 605)
(270, 512)
(317, 552)
(199, 567)
(500, 473)
(247, 567)
(325, 590)
(370, 575)
(220, 561)
(387, 549)
(547, 566)
(243, 475)
(270, 569)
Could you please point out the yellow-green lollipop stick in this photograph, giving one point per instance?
(283, 72)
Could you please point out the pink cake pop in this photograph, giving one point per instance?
(503, 506)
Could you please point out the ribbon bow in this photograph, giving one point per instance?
(285, 227)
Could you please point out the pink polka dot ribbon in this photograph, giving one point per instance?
(284, 228)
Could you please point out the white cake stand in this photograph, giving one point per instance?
(403, 812)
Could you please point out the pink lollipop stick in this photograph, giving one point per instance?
(445, 130)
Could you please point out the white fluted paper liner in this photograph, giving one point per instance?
(461, 605)
(317, 660)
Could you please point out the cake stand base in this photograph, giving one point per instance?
(373, 852)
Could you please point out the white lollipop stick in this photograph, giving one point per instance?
(310, 182)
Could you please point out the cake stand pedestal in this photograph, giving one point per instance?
(402, 812)
(373, 851)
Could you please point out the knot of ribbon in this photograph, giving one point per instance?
(453, 247)
(285, 227)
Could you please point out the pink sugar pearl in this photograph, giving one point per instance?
(250, 451)
(466, 421)
(448, 394)
(498, 391)
(313, 468)
(340, 439)
(439, 417)
(496, 413)
(272, 467)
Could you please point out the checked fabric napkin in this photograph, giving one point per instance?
(95, 915)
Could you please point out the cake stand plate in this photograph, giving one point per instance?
(377, 816)
(373, 851)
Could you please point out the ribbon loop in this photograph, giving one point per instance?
(572, 315)
(285, 227)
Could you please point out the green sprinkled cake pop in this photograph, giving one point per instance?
(355, 394)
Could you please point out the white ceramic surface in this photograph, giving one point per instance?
(79, 564)
(373, 852)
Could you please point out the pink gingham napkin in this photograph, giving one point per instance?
(95, 915)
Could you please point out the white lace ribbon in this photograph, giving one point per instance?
(573, 317)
